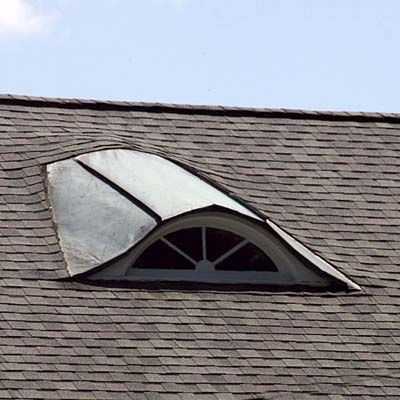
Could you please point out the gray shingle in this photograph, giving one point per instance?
(330, 179)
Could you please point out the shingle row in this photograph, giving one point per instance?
(331, 180)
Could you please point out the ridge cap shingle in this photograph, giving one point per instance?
(75, 103)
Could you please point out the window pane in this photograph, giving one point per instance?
(189, 241)
(159, 255)
(247, 258)
(219, 242)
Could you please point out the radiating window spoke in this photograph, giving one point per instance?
(219, 241)
(204, 242)
(188, 240)
(161, 256)
(178, 250)
(189, 248)
(247, 258)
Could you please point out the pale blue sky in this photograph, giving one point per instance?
(312, 54)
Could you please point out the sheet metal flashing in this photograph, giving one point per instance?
(95, 223)
(314, 259)
(163, 186)
(105, 202)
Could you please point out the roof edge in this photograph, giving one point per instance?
(74, 103)
(316, 260)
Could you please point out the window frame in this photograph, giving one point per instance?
(291, 270)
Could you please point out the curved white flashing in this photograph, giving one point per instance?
(290, 269)
(313, 258)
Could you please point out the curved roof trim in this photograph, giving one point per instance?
(314, 259)
(289, 268)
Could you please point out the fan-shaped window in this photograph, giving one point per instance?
(218, 248)
(212, 247)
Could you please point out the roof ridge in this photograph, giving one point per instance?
(72, 103)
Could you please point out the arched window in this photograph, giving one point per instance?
(218, 247)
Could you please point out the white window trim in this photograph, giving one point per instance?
(290, 269)
(313, 258)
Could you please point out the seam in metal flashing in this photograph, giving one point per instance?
(120, 190)
(205, 178)
(312, 257)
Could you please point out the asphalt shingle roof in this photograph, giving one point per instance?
(332, 180)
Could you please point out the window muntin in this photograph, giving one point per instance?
(161, 255)
(191, 248)
(219, 241)
(247, 257)
(188, 240)
(248, 253)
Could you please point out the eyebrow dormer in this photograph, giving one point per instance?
(129, 215)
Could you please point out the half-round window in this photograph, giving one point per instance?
(212, 247)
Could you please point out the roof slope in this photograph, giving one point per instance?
(332, 180)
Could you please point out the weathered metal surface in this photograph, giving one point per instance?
(95, 223)
(166, 188)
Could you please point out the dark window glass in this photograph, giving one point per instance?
(247, 258)
(160, 255)
(189, 241)
(219, 242)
